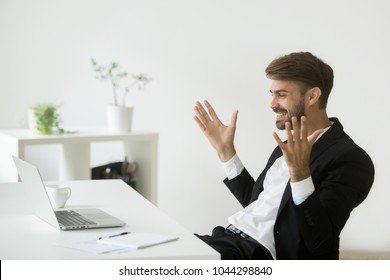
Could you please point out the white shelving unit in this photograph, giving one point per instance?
(75, 151)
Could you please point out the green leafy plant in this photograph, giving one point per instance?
(47, 119)
(121, 81)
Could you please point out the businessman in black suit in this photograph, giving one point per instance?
(299, 204)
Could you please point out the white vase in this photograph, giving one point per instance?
(31, 121)
(119, 118)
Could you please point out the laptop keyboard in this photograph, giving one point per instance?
(72, 218)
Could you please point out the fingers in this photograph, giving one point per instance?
(211, 111)
(290, 137)
(200, 124)
(278, 140)
(312, 138)
(233, 120)
(299, 129)
(201, 113)
(297, 132)
(303, 132)
(209, 119)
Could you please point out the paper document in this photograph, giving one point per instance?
(92, 246)
(116, 242)
(136, 240)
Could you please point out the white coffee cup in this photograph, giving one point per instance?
(58, 194)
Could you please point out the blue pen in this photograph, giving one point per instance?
(115, 235)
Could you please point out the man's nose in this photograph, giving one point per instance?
(273, 104)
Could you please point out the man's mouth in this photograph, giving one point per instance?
(280, 114)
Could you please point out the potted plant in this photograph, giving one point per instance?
(119, 114)
(44, 118)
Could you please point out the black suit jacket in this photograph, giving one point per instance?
(342, 174)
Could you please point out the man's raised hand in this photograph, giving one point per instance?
(298, 148)
(220, 136)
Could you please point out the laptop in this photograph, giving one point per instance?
(71, 219)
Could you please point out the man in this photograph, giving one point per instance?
(299, 204)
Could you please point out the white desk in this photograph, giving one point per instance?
(24, 236)
(75, 149)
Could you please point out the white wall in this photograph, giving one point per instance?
(195, 50)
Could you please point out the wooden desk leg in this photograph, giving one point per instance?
(75, 162)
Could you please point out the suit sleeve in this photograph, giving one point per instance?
(241, 187)
(340, 187)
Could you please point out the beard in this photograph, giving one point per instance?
(298, 111)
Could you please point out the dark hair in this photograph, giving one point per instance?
(306, 68)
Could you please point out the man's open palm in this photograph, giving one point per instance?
(220, 136)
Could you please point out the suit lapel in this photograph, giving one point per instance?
(285, 198)
(327, 140)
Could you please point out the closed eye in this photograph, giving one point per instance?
(279, 93)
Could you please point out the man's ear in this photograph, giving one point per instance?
(314, 96)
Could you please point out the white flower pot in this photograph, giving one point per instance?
(31, 121)
(119, 118)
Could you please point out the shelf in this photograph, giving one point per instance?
(75, 149)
